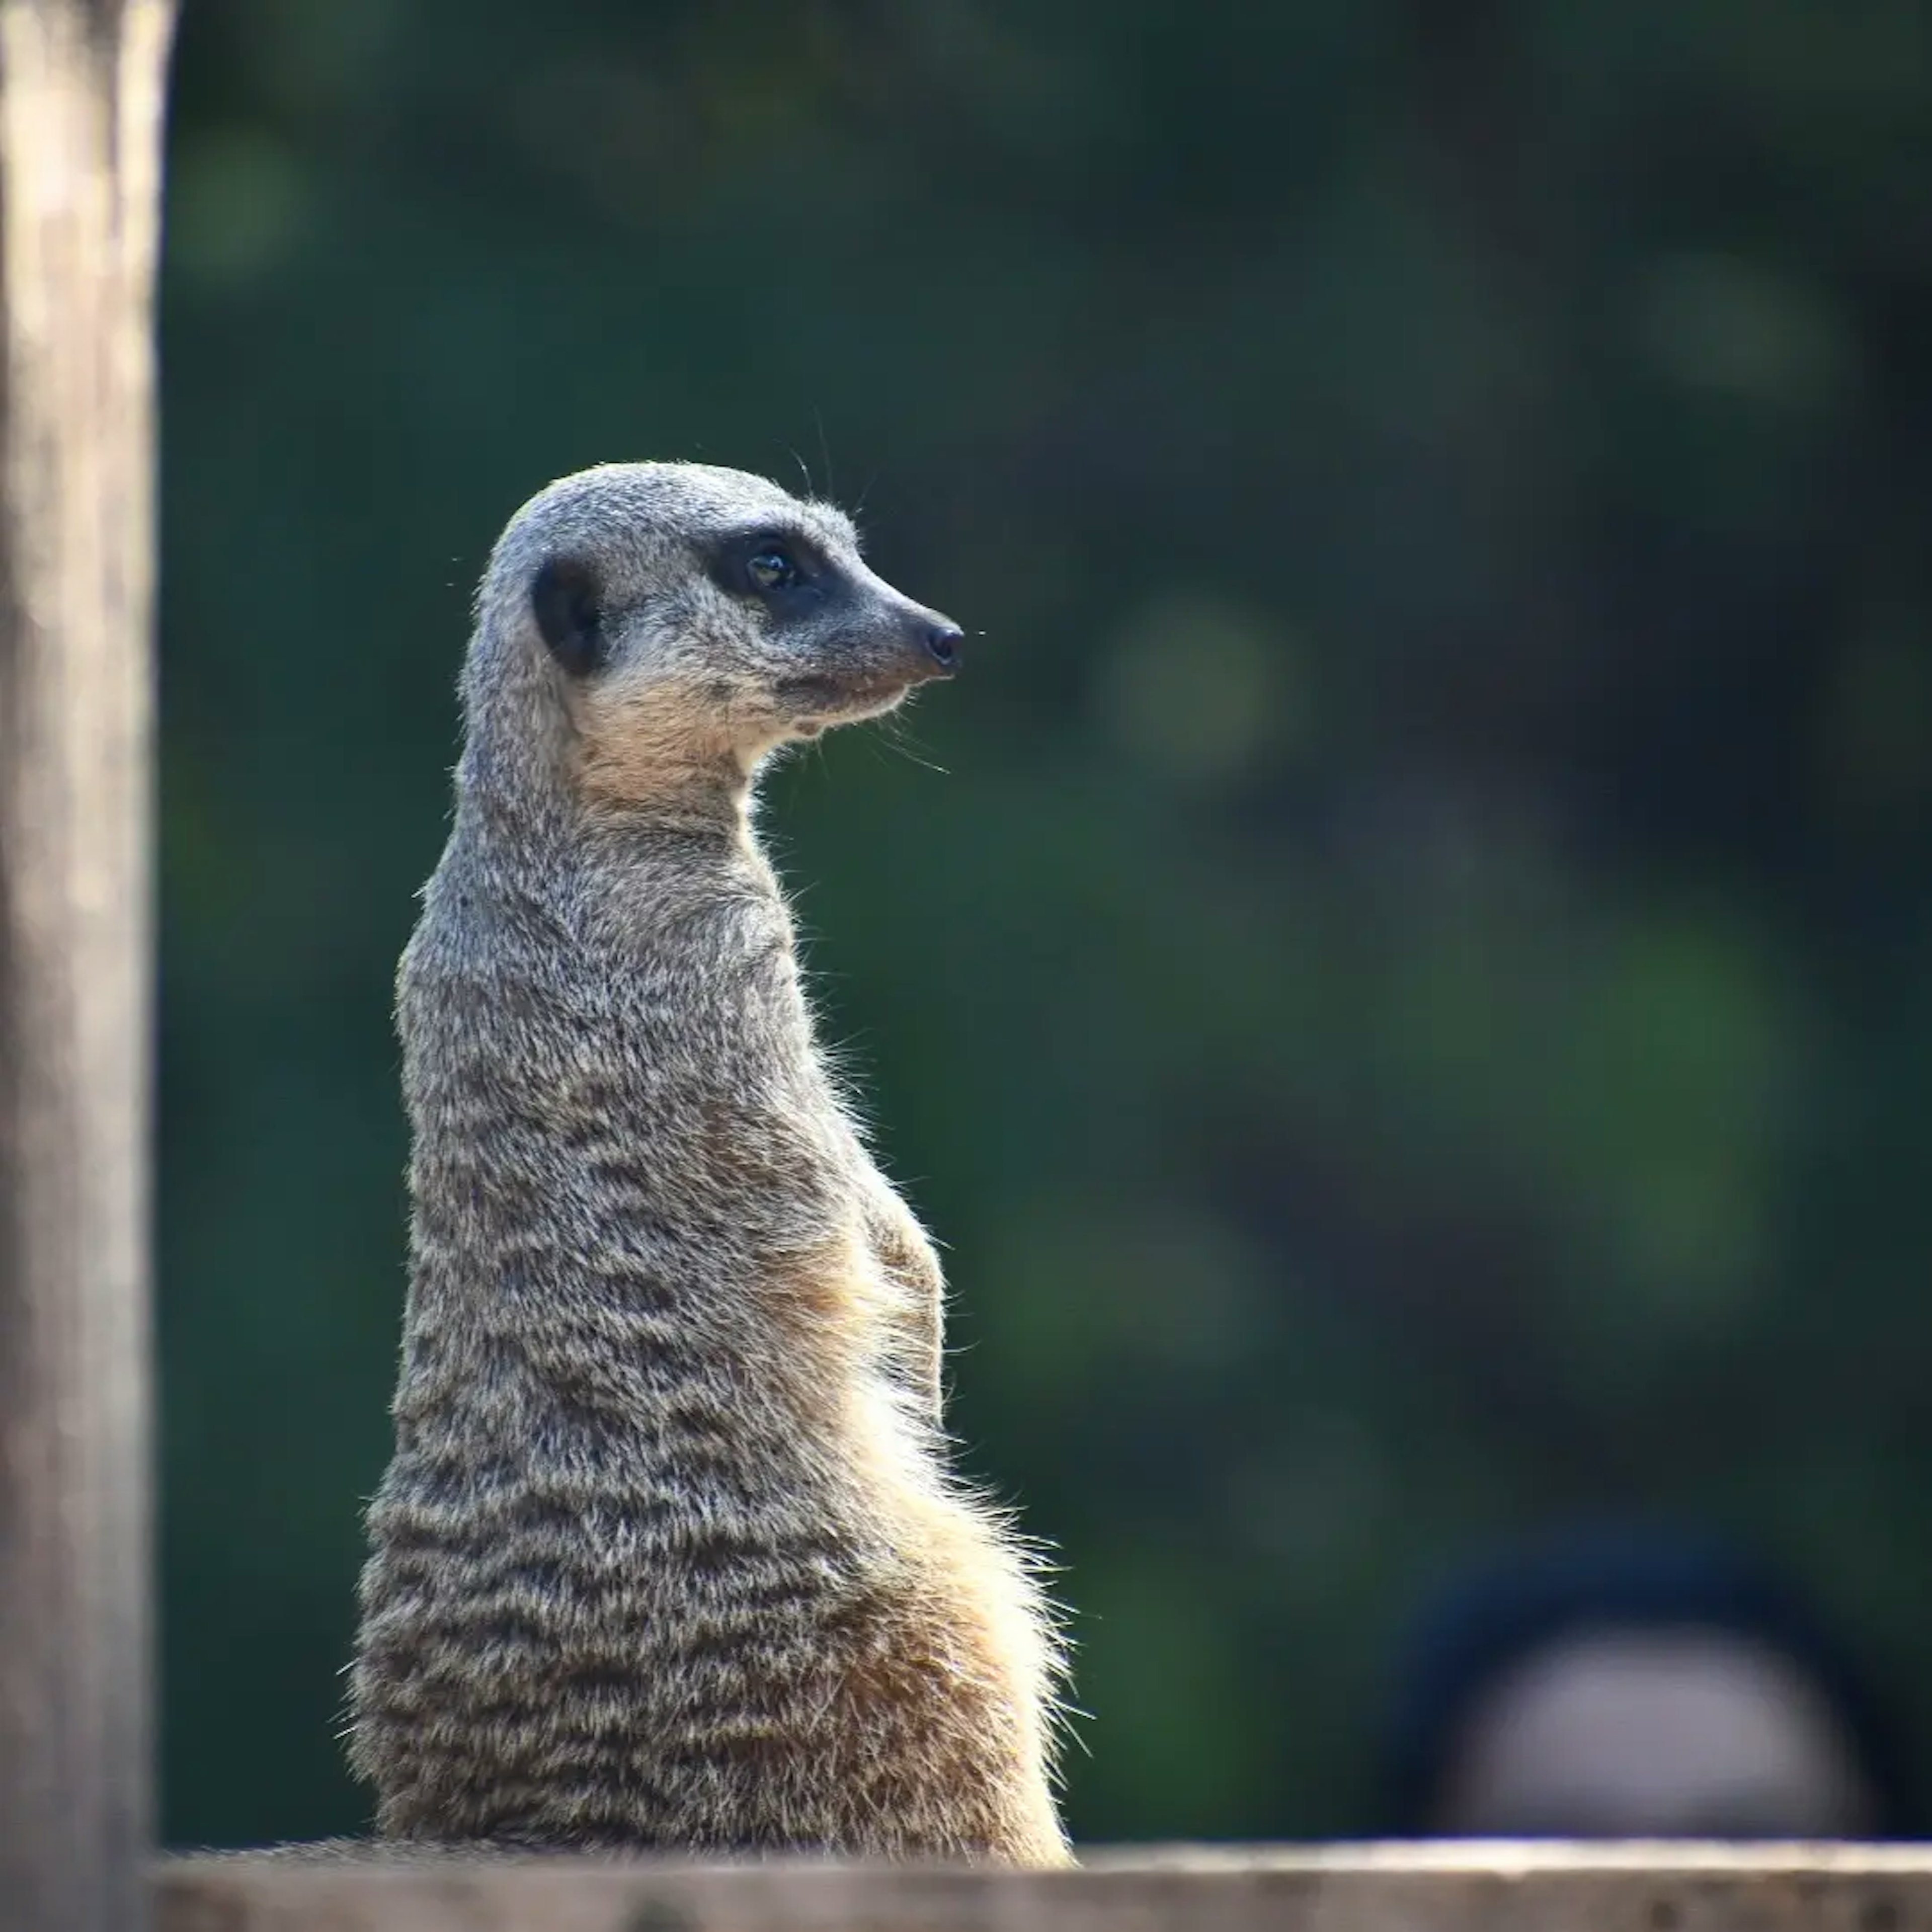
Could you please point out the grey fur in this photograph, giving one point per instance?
(668, 1555)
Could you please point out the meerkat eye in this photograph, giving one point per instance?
(773, 568)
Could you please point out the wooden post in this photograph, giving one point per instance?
(1427, 1887)
(80, 115)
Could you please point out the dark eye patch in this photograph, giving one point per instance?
(784, 569)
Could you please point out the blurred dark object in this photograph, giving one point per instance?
(1635, 1683)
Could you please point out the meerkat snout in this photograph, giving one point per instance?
(849, 645)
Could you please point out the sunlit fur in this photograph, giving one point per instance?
(668, 1556)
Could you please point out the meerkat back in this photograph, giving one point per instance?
(668, 1555)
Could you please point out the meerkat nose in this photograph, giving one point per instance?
(943, 641)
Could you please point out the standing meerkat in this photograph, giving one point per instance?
(669, 1555)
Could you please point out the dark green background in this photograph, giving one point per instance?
(1403, 971)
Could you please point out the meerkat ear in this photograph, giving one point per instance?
(564, 598)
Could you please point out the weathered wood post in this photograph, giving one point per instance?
(80, 117)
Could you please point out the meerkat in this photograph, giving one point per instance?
(669, 1555)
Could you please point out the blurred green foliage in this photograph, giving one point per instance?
(1403, 974)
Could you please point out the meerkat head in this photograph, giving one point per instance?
(676, 617)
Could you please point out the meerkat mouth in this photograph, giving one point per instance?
(817, 704)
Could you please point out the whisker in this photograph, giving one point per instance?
(825, 451)
(898, 736)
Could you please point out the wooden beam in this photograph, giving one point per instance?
(80, 112)
(1444, 1887)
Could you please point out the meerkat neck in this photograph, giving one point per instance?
(539, 826)
(544, 786)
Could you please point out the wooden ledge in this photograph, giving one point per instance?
(1427, 1887)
